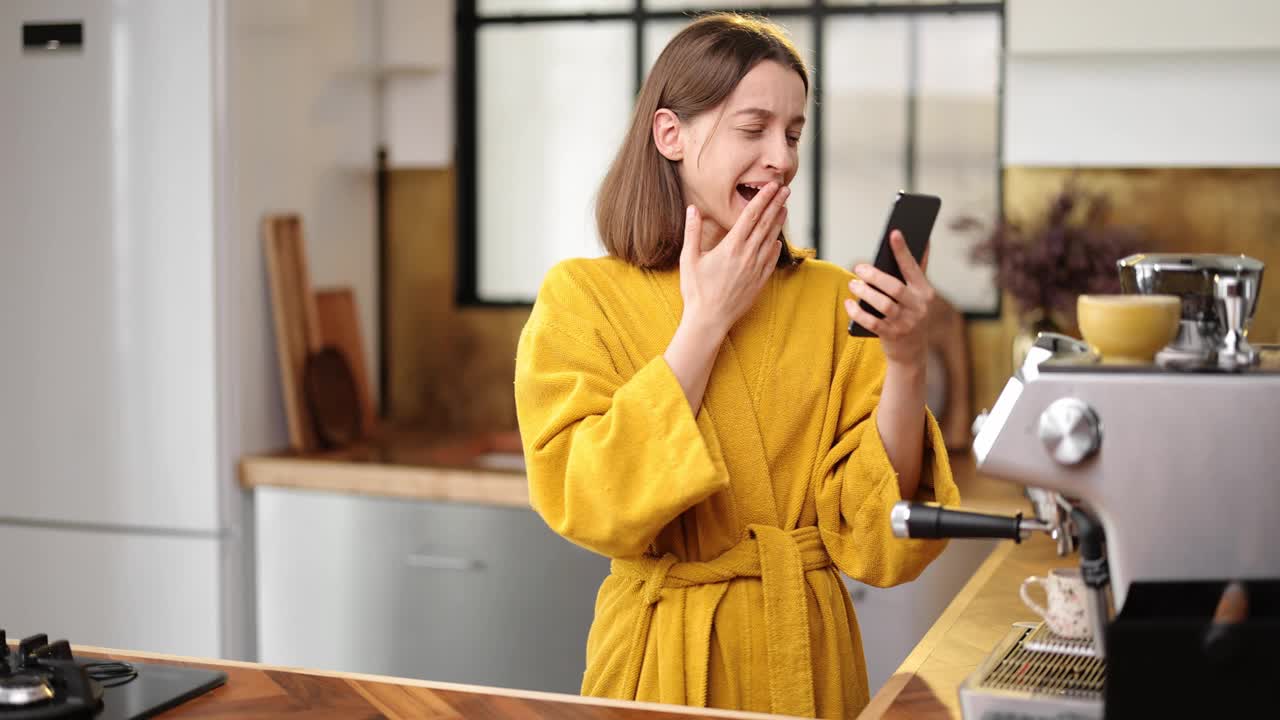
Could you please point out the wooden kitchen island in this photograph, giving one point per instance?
(253, 690)
(924, 688)
(411, 467)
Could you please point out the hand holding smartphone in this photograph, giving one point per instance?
(912, 215)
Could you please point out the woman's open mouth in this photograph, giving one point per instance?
(749, 190)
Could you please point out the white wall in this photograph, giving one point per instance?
(1145, 83)
(297, 89)
(300, 102)
(416, 74)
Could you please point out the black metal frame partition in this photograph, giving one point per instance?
(467, 61)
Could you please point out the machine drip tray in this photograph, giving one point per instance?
(1018, 681)
(1042, 639)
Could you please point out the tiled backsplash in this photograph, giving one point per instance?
(450, 368)
(1214, 210)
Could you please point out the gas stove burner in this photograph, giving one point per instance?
(41, 680)
(24, 689)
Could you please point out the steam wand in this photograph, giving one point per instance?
(918, 520)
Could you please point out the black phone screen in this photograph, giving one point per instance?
(913, 215)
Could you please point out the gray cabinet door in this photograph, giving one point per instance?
(440, 591)
(498, 598)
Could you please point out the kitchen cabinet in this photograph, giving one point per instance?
(482, 594)
(893, 620)
(435, 590)
(1212, 66)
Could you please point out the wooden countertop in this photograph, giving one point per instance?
(484, 468)
(925, 686)
(412, 463)
(254, 690)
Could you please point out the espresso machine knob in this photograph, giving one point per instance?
(1070, 430)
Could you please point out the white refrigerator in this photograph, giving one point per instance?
(137, 360)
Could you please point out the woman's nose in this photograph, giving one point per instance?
(780, 157)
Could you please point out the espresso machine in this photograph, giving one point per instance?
(1164, 480)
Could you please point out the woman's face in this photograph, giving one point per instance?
(751, 139)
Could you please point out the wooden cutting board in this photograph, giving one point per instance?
(297, 324)
(340, 327)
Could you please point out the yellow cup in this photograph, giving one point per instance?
(1128, 329)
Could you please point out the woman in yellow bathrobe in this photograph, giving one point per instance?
(693, 407)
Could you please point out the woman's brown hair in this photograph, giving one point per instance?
(640, 207)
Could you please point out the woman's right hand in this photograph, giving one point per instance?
(719, 285)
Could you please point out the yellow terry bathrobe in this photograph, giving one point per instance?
(727, 529)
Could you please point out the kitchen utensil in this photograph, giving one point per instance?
(340, 327)
(1128, 329)
(1200, 282)
(296, 320)
(332, 397)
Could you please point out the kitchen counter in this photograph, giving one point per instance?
(925, 685)
(485, 468)
(254, 690)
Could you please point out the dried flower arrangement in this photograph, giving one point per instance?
(1044, 267)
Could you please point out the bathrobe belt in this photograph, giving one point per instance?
(779, 558)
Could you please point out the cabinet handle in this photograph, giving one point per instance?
(427, 561)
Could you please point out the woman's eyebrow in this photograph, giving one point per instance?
(764, 114)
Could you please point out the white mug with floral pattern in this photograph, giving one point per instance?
(1065, 614)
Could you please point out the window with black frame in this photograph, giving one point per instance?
(905, 96)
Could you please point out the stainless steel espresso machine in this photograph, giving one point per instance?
(1165, 480)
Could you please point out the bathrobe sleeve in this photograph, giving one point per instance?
(612, 456)
(856, 485)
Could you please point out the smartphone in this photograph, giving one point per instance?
(913, 215)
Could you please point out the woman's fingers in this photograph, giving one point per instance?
(767, 252)
(921, 292)
(766, 228)
(750, 217)
(865, 319)
(692, 247)
(882, 281)
(911, 271)
(876, 299)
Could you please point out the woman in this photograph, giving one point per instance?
(693, 407)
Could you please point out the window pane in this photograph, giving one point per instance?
(957, 153)
(865, 124)
(800, 205)
(695, 6)
(507, 7)
(868, 117)
(549, 125)
(912, 2)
